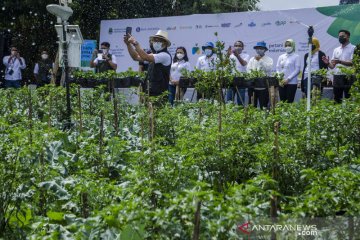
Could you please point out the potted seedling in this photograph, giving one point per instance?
(346, 79)
(318, 77)
(259, 78)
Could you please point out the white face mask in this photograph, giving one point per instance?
(180, 56)
(13, 53)
(288, 49)
(260, 52)
(44, 56)
(105, 50)
(157, 46)
(208, 52)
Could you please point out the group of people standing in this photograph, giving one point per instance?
(14, 64)
(164, 72)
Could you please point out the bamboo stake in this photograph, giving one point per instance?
(197, 218)
(80, 110)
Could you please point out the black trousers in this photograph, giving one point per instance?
(340, 92)
(263, 97)
(287, 93)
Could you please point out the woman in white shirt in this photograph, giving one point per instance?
(180, 61)
(288, 64)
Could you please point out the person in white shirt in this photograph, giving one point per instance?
(180, 62)
(288, 64)
(342, 56)
(240, 59)
(158, 74)
(264, 63)
(14, 64)
(206, 62)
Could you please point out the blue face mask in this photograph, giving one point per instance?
(208, 52)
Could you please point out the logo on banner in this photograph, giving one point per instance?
(111, 31)
(170, 28)
(239, 25)
(198, 26)
(196, 50)
(266, 24)
(280, 23)
(225, 25)
(185, 27)
(252, 24)
(211, 26)
(153, 29)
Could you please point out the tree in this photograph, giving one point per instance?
(32, 27)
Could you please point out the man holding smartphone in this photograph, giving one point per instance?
(102, 60)
(158, 74)
(13, 63)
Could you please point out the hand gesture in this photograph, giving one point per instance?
(126, 38)
(132, 40)
(325, 60)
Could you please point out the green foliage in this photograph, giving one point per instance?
(147, 180)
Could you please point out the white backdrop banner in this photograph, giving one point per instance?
(192, 31)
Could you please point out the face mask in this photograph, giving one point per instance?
(105, 50)
(13, 53)
(342, 39)
(288, 49)
(313, 47)
(238, 49)
(44, 56)
(208, 52)
(180, 55)
(260, 52)
(157, 46)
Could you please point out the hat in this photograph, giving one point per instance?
(206, 45)
(261, 44)
(163, 35)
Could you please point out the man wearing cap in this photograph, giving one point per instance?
(263, 63)
(14, 64)
(158, 73)
(207, 62)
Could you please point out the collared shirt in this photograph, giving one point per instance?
(344, 54)
(206, 63)
(238, 65)
(265, 63)
(289, 64)
(176, 69)
(14, 64)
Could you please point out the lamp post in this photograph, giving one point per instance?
(64, 12)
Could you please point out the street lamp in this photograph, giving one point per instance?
(64, 12)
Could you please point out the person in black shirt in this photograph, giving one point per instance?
(106, 61)
(43, 69)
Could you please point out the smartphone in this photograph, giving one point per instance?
(128, 30)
